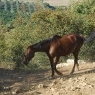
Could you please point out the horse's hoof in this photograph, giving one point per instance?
(71, 74)
(61, 74)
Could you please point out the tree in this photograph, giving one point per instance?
(34, 6)
(42, 4)
(29, 8)
(17, 4)
(11, 3)
(0, 4)
(5, 5)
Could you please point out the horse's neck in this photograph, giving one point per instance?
(44, 45)
(40, 48)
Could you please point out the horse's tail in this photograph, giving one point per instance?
(92, 36)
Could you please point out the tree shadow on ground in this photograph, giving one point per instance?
(9, 77)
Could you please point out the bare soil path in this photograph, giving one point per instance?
(37, 83)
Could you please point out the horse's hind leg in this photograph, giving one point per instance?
(55, 61)
(75, 62)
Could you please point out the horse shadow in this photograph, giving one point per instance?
(79, 73)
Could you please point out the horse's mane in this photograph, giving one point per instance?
(46, 42)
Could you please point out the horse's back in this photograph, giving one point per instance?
(72, 41)
(66, 45)
(73, 38)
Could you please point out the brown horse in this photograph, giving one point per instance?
(55, 47)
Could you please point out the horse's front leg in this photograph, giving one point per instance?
(51, 63)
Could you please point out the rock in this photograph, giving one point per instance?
(61, 80)
(13, 93)
(71, 61)
(21, 90)
(70, 80)
(52, 89)
(60, 65)
(41, 86)
(76, 80)
(81, 85)
(77, 88)
(90, 86)
(73, 88)
(6, 88)
(49, 77)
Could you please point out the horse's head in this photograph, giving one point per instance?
(29, 54)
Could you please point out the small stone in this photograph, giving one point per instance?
(20, 77)
(52, 89)
(13, 93)
(41, 86)
(70, 80)
(84, 84)
(90, 86)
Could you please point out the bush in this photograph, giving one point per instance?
(42, 25)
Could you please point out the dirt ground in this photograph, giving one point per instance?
(82, 82)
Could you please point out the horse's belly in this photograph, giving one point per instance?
(65, 51)
(61, 51)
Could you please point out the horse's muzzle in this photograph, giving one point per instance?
(25, 63)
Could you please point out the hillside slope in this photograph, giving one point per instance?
(37, 83)
(51, 2)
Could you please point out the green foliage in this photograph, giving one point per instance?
(2, 46)
(2, 41)
(5, 5)
(42, 24)
(85, 10)
(17, 39)
(49, 22)
(7, 16)
(10, 8)
(83, 7)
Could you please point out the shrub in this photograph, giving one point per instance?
(42, 25)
